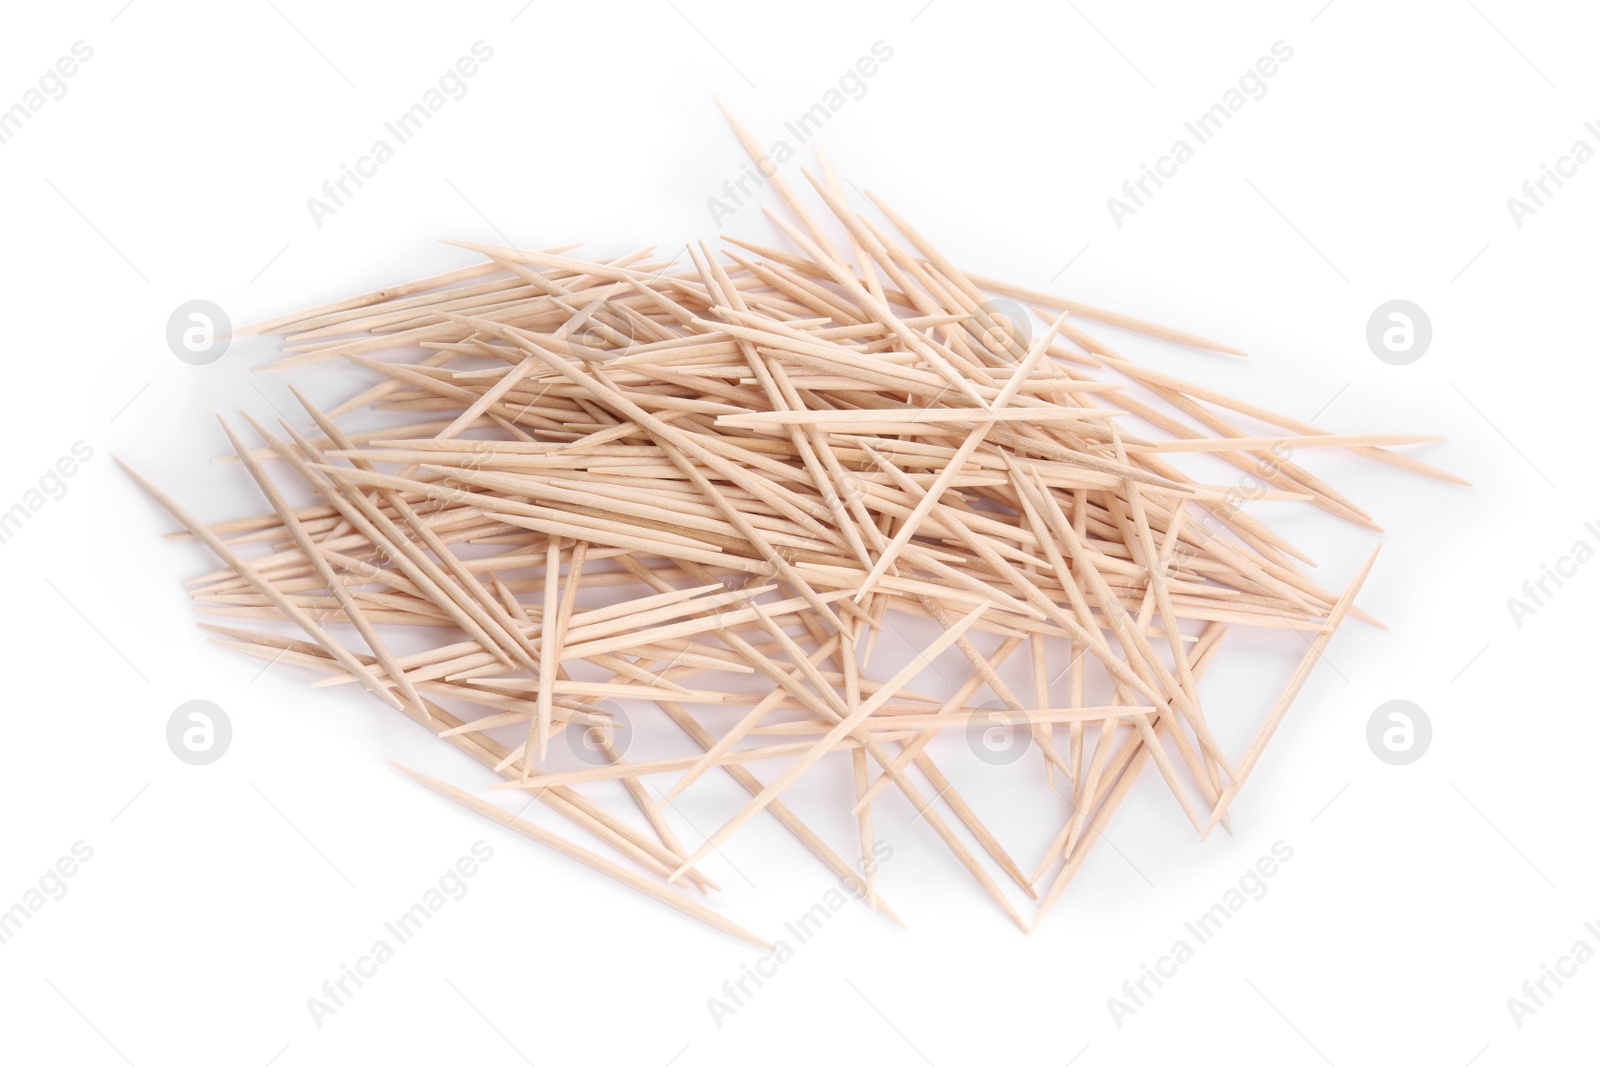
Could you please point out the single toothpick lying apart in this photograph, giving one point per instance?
(717, 486)
(615, 871)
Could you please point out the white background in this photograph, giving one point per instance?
(1377, 166)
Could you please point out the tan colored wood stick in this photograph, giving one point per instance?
(589, 859)
(832, 738)
(1296, 682)
(267, 589)
(755, 465)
